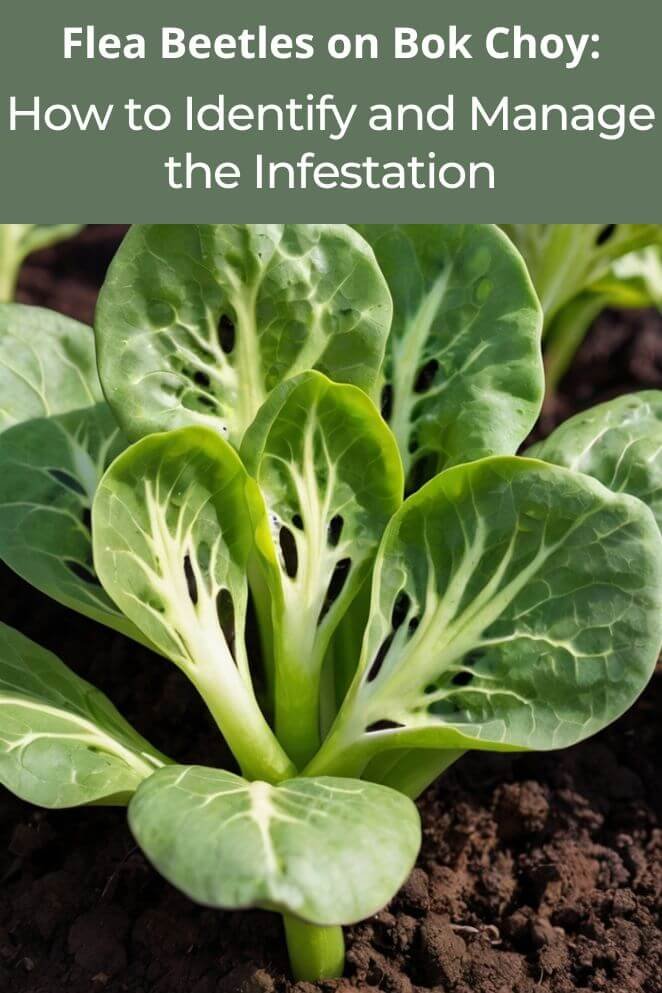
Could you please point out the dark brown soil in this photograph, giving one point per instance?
(538, 873)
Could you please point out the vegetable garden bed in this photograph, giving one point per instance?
(538, 872)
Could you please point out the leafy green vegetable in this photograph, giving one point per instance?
(174, 521)
(331, 477)
(619, 443)
(198, 323)
(509, 604)
(565, 259)
(579, 269)
(47, 365)
(62, 743)
(515, 605)
(463, 378)
(294, 847)
(57, 438)
(17, 241)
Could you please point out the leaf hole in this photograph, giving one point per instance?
(297, 521)
(383, 725)
(83, 572)
(288, 550)
(66, 479)
(425, 376)
(226, 334)
(378, 660)
(191, 583)
(335, 530)
(605, 234)
(225, 614)
(336, 584)
(400, 609)
(386, 401)
(201, 378)
(462, 678)
(86, 518)
(413, 624)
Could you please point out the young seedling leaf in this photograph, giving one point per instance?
(62, 742)
(463, 375)
(515, 605)
(174, 523)
(57, 438)
(198, 323)
(619, 443)
(330, 473)
(329, 851)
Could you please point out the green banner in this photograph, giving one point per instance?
(378, 111)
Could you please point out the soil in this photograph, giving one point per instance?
(538, 873)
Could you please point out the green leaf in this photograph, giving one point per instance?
(62, 742)
(198, 323)
(330, 851)
(635, 280)
(515, 605)
(58, 436)
(566, 259)
(330, 473)
(464, 372)
(174, 522)
(18, 240)
(47, 365)
(619, 443)
(50, 469)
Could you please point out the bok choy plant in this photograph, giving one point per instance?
(418, 589)
(579, 270)
(17, 241)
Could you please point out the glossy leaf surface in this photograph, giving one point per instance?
(62, 742)
(330, 851)
(198, 323)
(463, 376)
(515, 605)
(57, 437)
(618, 442)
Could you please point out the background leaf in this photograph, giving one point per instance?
(47, 364)
(618, 442)
(57, 438)
(62, 742)
(330, 851)
(515, 605)
(463, 376)
(198, 323)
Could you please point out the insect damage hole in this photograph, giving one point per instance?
(399, 612)
(288, 552)
(335, 587)
(201, 378)
(384, 725)
(225, 614)
(334, 530)
(605, 234)
(386, 401)
(191, 582)
(226, 334)
(425, 376)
